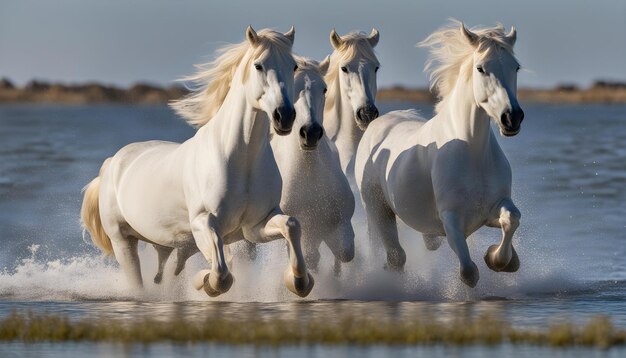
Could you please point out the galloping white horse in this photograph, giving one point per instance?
(448, 176)
(223, 180)
(351, 80)
(315, 190)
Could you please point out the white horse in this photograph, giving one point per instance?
(222, 181)
(350, 104)
(448, 176)
(315, 189)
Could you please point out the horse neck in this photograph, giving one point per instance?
(464, 119)
(235, 126)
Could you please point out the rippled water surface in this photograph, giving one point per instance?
(569, 167)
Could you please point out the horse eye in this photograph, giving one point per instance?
(325, 90)
(377, 68)
(480, 69)
(258, 67)
(344, 69)
(295, 68)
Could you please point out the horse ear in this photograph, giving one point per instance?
(335, 39)
(324, 65)
(471, 37)
(511, 37)
(251, 35)
(373, 37)
(291, 34)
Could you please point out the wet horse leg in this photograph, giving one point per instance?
(125, 249)
(453, 226)
(382, 225)
(218, 280)
(503, 257)
(163, 253)
(276, 226)
(341, 244)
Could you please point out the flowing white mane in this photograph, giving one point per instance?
(307, 64)
(354, 44)
(213, 79)
(450, 50)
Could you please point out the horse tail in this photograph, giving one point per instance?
(90, 214)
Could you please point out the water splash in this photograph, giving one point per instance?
(428, 276)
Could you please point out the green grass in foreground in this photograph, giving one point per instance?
(31, 327)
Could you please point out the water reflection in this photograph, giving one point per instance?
(537, 313)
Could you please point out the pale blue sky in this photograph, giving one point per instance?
(122, 42)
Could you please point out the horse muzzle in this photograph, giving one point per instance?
(511, 122)
(283, 118)
(365, 115)
(310, 136)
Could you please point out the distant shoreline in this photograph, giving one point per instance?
(601, 92)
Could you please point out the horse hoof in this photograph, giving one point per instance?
(511, 266)
(178, 270)
(158, 278)
(514, 264)
(301, 286)
(470, 276)
(395, 260)
(216, 287)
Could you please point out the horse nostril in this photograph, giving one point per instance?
(316, 131)
(360, 114)
(505, 118)
(276, 115)
(375, 113)
(302, 132)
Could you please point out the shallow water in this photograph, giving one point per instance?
(569, 182)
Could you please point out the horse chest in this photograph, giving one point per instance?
(317, 194)
(262, 190)
(471, 189)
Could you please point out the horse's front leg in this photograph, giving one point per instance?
(218, 280)
(503, 257)
(453, 226)
(277, 225)
(341, 244)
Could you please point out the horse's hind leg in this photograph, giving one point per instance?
(432, 242)
(163, 253)
(125, 249)
(503, 257)
(182, 255)
(453, 225)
